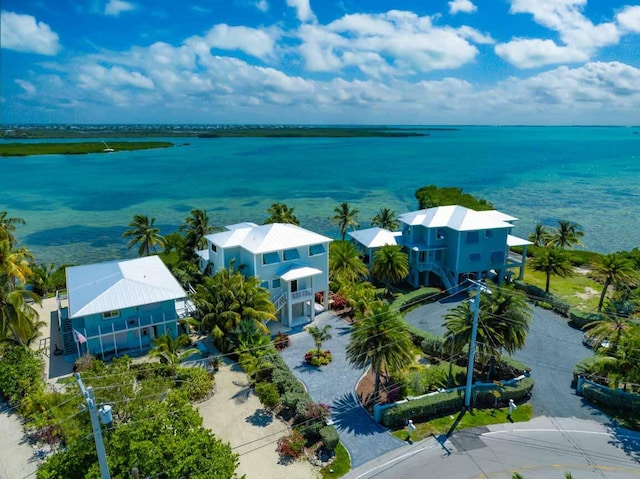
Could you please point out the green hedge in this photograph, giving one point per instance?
(416, 297)
(329, 437)
(543, 299)
(439, 405)
(579, 319)
(612, 399)
(268, 394)
(418, 335)
(196, 382)
(21, 374)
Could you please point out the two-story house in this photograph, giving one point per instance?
(291, 262)
(120, 305)
(448, 244)
(370, 240)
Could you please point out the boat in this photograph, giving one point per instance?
(107, 149)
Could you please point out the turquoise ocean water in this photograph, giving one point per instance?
(77, 207)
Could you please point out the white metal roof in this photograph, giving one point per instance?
(244, 224)
(499, 215)
(375, 237)
(203, 253)
(455, 217)
(298, 271)
(267, 238)
(102, 287)
(515, 241)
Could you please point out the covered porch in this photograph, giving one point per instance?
(295, 303)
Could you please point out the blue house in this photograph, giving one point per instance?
(120, 306)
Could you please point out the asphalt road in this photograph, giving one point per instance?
(551, 350)
(540, 449)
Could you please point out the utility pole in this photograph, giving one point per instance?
(95, 424)
(472, 347)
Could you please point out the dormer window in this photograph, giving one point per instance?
(270, 258)
(214, 248)
(291, 254)
(316, 249)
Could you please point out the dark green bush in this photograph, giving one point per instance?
(579, 319)
(612, 399)
(268, 394)
(21, 373)
(582, 258)
(329, 437)
(420, 296)
(433, 346)
(546, 300)
(446, 403)
(195, 382)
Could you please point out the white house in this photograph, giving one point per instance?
(370, 240)
(291, 262)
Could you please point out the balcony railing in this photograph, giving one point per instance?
(303, 294)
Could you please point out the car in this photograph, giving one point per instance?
(594, 342)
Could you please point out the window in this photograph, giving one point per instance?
(270, 258)
(474, 257)
(472, 237)
(290, 254)
(438, 255)
(294, 285)
(440, 233)
(275, 284)
(214, 248)
(316, 249)
(264, 284)
(487, 233)
(111, 314)
(497, 256)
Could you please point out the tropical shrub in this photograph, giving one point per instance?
(291, 445)
(281, 341)
(317, 411)
(296, 404)
(20, 373)
(196, 382)
(315, 358)
(433, 347)
(268, 394)
(579, 319)
(339, 302)
(612, 398)
(417, 297)
(329, 438)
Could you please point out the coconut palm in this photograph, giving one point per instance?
(281, 213)
(319, 335)
(380, 340)
(390, 265)
(345, 263)
(610, 328)
(14, 263)
(8, 225)
(612, 269)
(144, 234)
(172, 350)
(19, 321)
(567, 235)
(551, 260)
(386, 219)
(196, 226)
(345, 217)
(540, 236)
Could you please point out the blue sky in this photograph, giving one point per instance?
(321, 61)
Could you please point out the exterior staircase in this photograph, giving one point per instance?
(68, 341)
(279, 301)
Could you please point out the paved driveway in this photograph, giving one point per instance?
(552, 349)
(335, 384)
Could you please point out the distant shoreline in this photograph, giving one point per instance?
(35, 132)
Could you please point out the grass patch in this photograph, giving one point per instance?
(475, 418)
(578, 290)
(340, 466)
(407, 301)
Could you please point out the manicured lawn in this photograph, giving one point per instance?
(578, 290)
(340, 466)
(475, 418)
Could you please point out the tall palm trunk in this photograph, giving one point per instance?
(603, 294)
(376, 388)
(546, 288)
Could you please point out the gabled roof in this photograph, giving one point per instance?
(375, 237)
(455, 217)
(499, 215)
(102, 287)
(267, 238)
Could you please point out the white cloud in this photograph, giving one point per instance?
(536, 53)
(464, 6)
(24, 34)
(28, 87)
(95, 76)
(397, 42)
(303, 10)
(629, 18)
(116, 7)
(262, 5)
(255, 42)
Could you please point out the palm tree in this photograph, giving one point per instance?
(281, 213)
(18, 319)
(196, 226)
(171, 350)
(391, 265)
(611, 328)
(8, 225)
(540, 236)
(144, 234)
(319, 335)
(380, 340)
(344, 217)
(386, 219)
(550, 261)
(14, 263)
(567, 235)
(345, 263)
(612, 269)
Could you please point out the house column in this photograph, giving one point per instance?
(325, 299)
(289, 307)
(312, 303)
(100, 339)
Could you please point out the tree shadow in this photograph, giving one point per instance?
(261, 418)
(348, 416)
(243, 394)
(303, 366)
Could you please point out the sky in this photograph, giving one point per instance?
(429, 62)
